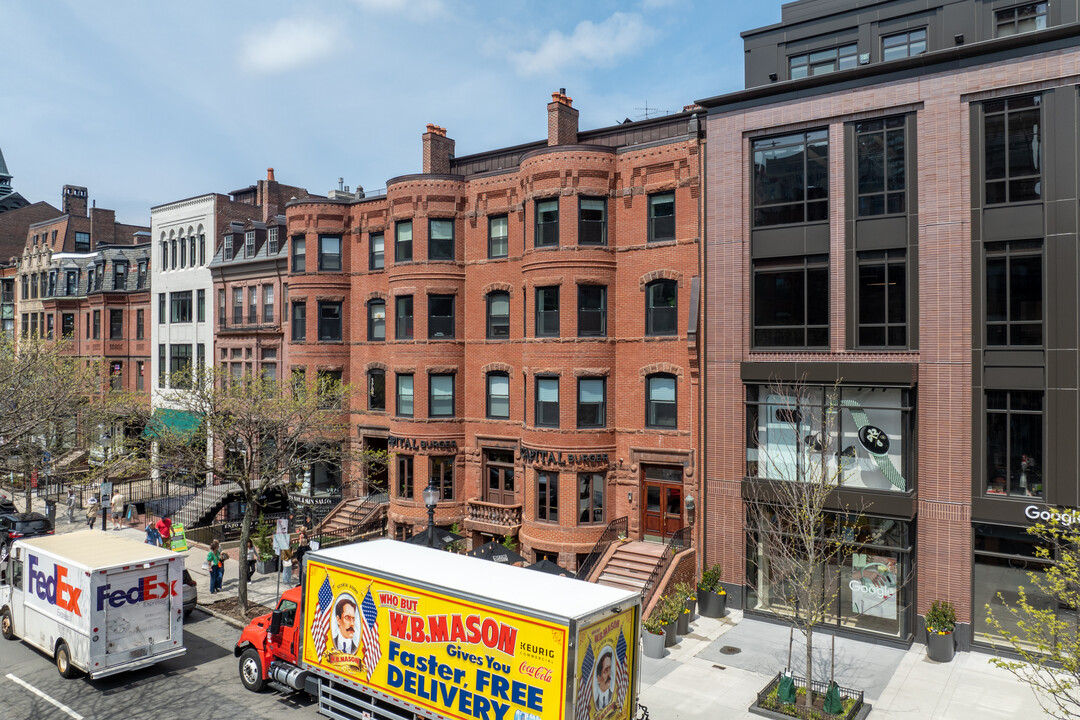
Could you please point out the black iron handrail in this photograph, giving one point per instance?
(615, 529)
(678, 541)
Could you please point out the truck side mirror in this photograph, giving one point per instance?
(275, 622)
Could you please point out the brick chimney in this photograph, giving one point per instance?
(438, 150)
(74, 201)
(270, 174)
(562, 119)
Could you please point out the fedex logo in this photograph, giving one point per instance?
(54, 589)
(147, 588)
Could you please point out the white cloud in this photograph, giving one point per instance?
(657, 4)
(592, 44)
(417, 10)
(288, 44)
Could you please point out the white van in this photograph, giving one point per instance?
(95, 602)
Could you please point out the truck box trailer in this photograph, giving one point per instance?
(388, 630)
(95, 602)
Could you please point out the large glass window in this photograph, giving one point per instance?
(440, 239)
(441, 395)
(377, 252)
(592, 402)
(547, 311)
(1020, 19)
(662, 217)
(1012, 130)
(442, 476)
(820, 62)
(404, 406)
(376, 390)
(662, 308)
(791, 302)
(1014, 443)
(440, 316)
(403, 317)
(592, 221)
(882, 178)
(299, 255)
(904, 44)
(1014, 294)
(329, 321)
(547, 401)
(592, 311)
(498, 315)
(547, 223)
(82, 243)
(661, 407)
(180, 306)
(882, 299)
(498, 395)
(116, 324)
(547, 496)
(299, 322)
(329, 253)
(590, 498)
(859, 436)
(179, 366)
(1004, 556)
(376, 328)
(498, 236)
(97, 324)
(403, 241)
(791, 179)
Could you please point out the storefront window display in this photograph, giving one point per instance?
(869, 585)
(861, 435)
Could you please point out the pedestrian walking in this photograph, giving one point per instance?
(303, 548)
(117, 510)
(286, 568)
(91, 512)
(250, 559)
(153, 537)
(164, 528)
(215, 560)
(71, 506)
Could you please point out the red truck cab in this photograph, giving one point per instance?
(266, 657)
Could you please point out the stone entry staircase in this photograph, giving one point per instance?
(630, 566)
(202, 508)
(353, 513)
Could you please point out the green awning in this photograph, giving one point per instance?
(178, 422)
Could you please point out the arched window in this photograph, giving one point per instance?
(498, 314)
(662, 308)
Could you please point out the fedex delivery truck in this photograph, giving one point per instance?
(93, 601)
(390, 631)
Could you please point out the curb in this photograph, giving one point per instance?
(221, 616)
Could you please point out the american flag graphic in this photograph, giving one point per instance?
(622, 681)
(369, 633)
(584, 692)
(320, 626)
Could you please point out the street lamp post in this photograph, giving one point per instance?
(431, 498)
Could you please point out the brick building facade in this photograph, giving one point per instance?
(519, 327)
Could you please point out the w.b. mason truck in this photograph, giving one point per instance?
(93, 601)
(389, 630)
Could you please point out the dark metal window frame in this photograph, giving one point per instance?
(376, 258)
(400, 246)
(498, 326)
(890, 260)
(329, 261)
(842, 57)
(372, 322)
(802, 139)
(804, 264)
(327, 324)
(437, 247)
(540, 412)
(431, 395)
(910, 39)
(1011, 412)
(547, 496)
(299, 322)
(549, 316)
(653, 313)
(1007, 252)
(298, 246)
(398, 377)
(492, 237)
(589, 227)
(596, 512)
(403, 324)
(584, 313)
(116, 323)
(893, 195)
(546, 233)
(372, 397)
(405, 484)
(1002, 18)
(489, 396)
(661, 227)
(651, 406)
(599, 409)
(1013, 184)
(445, 322)
(441, 468)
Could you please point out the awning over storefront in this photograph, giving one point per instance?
(178, 422)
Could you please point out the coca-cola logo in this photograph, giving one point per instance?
(537, 673)
(881, 592)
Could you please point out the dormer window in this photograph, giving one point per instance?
(249, 243)
(272, 241)
(228, 246)
(820, 62)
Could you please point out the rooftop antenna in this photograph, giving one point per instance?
(648, 112)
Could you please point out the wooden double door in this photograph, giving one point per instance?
(662, 502)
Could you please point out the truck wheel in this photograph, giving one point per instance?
(251, 672)
(63, 661)
(7, 626)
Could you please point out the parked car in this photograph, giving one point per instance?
(17, 525)
(7, 505)
(191, 593)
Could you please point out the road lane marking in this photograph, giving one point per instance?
(44, 697)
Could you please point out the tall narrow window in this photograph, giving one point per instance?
(791, 179)
(592, 403)
(1014, 443)
(1014, 294)
(376, 255)
(271, 241)
(253, 304)
(140, 375)
(547, 402)
(238, 306)
(221, 308)
(440, 316)
(164, 254)
(299, 254)
(191, 250)
(183, 253)
(547, 496)
(249, 243)
(268, 303)
(405, 477)
(376, 320)
(662, 216)
(163, 368)
(590, 498)
(661, 411)
(498, 236)
(329, 253)
(120, 273)
(442, 476)
(882, 303)
(376, 390)
(403, 241)
(440, 239)
(498, 395)
(116, 324)
(174, 243)
(226, 247)
(547, 223)
(1013, 149)
(547, 311)
(163, 316)
(140, 331)
(441, 395)
(97, 324)
(592, 311)
(404, 405)
(791, 307)
(403, 317)
(202, 249)
(592, 221)
(880, 151)
(498, 315)
(180, 366)
(200, 305)
(299, 322)
(329, 321)
(662, 308)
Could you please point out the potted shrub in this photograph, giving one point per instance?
(689, 597)
(683, 592)
(266, 561)
(669, 608)
(653, 638)
(940, 623)
(711, 596)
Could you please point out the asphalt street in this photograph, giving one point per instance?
(201, 685)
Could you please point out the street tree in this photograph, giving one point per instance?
(794, 515)
(256, 432)
(1040, 624)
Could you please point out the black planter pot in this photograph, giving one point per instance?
(670, 638)
(682, 625)
(266, 566)
(691, 605)
(710, 604)
(940, 648)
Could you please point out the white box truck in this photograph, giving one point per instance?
(95, 602)
(390, 631)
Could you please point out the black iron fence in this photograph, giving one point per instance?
(615, 529)
(226, 531)
(767, 698)
(679, 540)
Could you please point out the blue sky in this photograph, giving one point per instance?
(147, 102)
